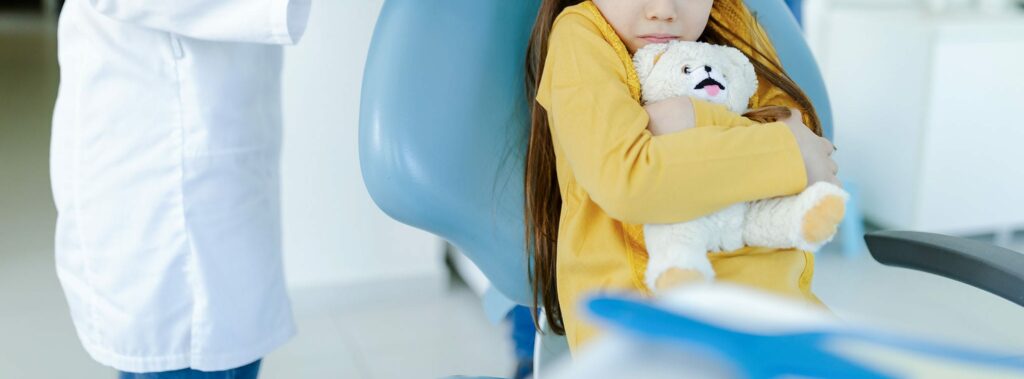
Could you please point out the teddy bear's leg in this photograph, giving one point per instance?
(805, 221)
(822, 220)
(681, 245)
(728, 224)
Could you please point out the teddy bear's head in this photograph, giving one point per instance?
(718, 74)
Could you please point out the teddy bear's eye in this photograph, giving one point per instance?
(686, 70)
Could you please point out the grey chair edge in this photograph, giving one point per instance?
(995, 269)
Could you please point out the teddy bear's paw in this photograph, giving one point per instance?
(821, 221)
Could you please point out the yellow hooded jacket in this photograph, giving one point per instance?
(615, 176)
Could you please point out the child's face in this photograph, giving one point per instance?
(642, 22)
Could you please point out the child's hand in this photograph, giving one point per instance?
(816, 151)
(675, 277)
(670, 115)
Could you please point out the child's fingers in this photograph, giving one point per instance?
(796, 113)
(827, 146)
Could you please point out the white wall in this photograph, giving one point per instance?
(925, 106)
(333, 233)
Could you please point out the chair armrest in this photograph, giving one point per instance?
(992, 268)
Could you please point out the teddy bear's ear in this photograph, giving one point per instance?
(646, 58)
(740, 63)
(741, 76)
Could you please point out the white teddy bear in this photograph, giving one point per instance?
(723, 75)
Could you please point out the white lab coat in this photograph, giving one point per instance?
(164, 163)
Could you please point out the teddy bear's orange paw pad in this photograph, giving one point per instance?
(821, 221)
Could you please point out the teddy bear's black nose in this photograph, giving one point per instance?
(707, 68)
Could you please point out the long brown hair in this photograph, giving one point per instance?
(543, 201)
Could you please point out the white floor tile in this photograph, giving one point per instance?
(430, 338)
(320, 350)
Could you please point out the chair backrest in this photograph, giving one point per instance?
(443, 120)
(788, 39)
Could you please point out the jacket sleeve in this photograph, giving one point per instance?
(634, 176)
(711, 114)
(279, 22)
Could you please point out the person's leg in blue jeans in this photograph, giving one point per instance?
(523, 335)
(249, 371)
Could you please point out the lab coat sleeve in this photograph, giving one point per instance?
(279, 22)
(639, 178)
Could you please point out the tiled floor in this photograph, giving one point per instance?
(401, 334)
(410, 336)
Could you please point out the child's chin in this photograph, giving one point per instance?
(639, 43)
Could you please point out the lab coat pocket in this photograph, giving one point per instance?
(177, 51)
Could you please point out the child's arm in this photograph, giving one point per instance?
(677, 114)
(671, 115)
(634, 176)
(681, 113)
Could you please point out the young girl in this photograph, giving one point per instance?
(599, 165)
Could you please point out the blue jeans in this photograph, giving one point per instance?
(249, 371)
(523, 332)
(523, 335)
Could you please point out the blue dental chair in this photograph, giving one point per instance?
(444, 121)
